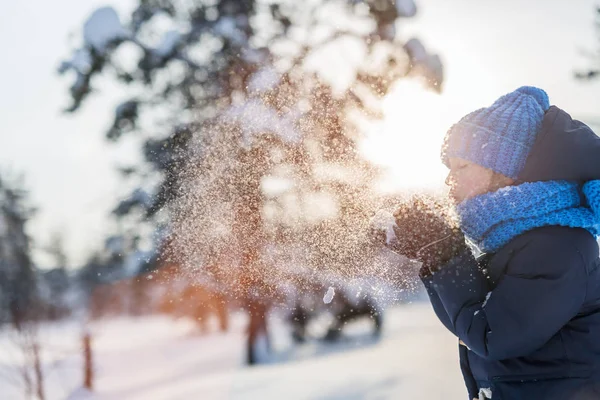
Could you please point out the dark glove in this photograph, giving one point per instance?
(425, 231)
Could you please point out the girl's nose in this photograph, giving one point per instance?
(448, 180)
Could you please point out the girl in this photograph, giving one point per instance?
(522, 293)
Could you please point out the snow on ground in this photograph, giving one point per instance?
(157, 358)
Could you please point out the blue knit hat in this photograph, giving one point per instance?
(500, 136)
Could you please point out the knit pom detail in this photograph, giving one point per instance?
(540, 96)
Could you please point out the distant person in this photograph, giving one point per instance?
(525, 182)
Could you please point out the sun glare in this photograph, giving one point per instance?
(407, 141)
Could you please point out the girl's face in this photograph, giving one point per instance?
(467, 179)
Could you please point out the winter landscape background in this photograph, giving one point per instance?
(155, 358)
(188, 188)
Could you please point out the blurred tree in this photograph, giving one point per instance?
(17, 276)
(19, 297)
(185, 62)
(54, 288)
(56, 250)
(252, 112)
(54, 284)
(593, 71)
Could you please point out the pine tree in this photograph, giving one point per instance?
(17, 276)
(593, 71)
(251, 136)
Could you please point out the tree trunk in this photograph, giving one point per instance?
(88, 374)
(37, 367)
(256, 326)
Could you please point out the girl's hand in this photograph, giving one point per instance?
(425, 232)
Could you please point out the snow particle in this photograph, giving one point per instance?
(487, 297)
(329, 295)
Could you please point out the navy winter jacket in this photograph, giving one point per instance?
(528, 316)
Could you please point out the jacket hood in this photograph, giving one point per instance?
(565, 149)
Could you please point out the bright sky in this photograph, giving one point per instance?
(488, 48)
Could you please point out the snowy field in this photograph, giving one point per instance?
(157, 358)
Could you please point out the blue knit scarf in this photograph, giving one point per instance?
(491, 220)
